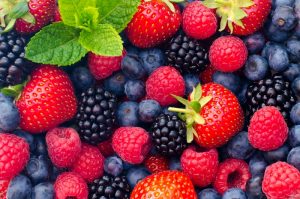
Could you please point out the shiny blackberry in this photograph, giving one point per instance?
(109, 187)
(271, 91)
(169, 135)
(186, 54)
(96, 115)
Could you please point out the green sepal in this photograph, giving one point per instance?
(13, 91)
(29, 18)
(197, 93)
(19, 10)
(189, 134)
(181, 100)
(195, 105)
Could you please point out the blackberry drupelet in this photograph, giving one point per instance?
(109, 187)
(186, 54)
(169, 135)
(14, 68)
(271, 91)
(96, 115)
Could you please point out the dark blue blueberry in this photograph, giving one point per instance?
(294, 136)
(174, 164)
(284, 18)
(296, 86)
(296, 31)
(41, 148)
(28, 137)
(149, 110)
(294, 157)
(234, 193)
(38, 169)
(9, 117)
(242, 94)
(132, 67)
(135, 89)
(275, 34)
(297, 8)
(208, 193)
(55, 172)
(135, 174)
(82, 78)
(279, 154)
(191, 81)
(113, 165)
(132, 50)
(239, 147)
(152, 58)
(266, 50)
(43, 190)
(19, 188)
(128, 114)
(293, 48)
(255, 42)
(295, 114)
(278, 58)
(256, 67)
(167, 112)
(254, 188)
(277, 3)
(292, 72)
(115, 83)
(257, 165)
(127, 166)
(124, 38)
(228, 80)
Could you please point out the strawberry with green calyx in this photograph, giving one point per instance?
(212, 114)
(241, 17)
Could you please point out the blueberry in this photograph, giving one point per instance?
(279, 154)
(293, 48)
(132, 67)
(127, 114)
(135, 174)
(174, 164)
(294, 136)
(167, 112)
(9, 117)
(295, 113)
(43, 190)
(242, 94)
(284, 18)
(275, 34)
(55, 172)
(191, 81)
(292, 72)
(113, 165)
(239, 147)
(255, 42)
(124, 38)
(19, 188)
(38, 169)
(296, 31)
(278, 58)
(149, 110)
(254, 188)
(277, 3)
(152, 58)
(132, 50)
(208, 193)
(82, 78)
(135, 89)
(127, 166)
(266, 50)
(228, 80)
(28, 137)
(296, 86)
(256, 67)
(115, 83)
(234, 193)
(294, 157)
(41, 148)
(257, 165)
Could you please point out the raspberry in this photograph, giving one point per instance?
(70, 185)
(132, 144)
(90, 163)
(64, 146)
(232, 173)
(200, 166)
(156, 163)
(163, 82)
(207, 74)
(3, 188)
(199, 21)
(281, 181)
(14, 154)
(105, 148)
(268, 129)
(228, 53)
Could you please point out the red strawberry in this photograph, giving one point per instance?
(3, 188)
(156, 163)
(47, 100)
(213, 115)
(165, 185)
(241, 18)
(199, 22)
(153, 23)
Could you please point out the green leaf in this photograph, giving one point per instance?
(118, 13)
(88, 20)
(104, 40)
(210, 4)
(56, 44)
(181, 100)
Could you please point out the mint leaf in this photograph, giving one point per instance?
(117, 12)
(89, 19)
(55, 44)
(103, 40)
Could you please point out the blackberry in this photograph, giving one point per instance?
(169, 135)
(14, 68)
(186, 54)
(96, 115)
(109, 187)
(271, 91)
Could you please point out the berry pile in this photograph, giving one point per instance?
(150, 99)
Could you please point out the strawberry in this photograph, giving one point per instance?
(153, 23)
(47, 100)
(213, 115)
(156, 163)
(241, 17)
(166, 184)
